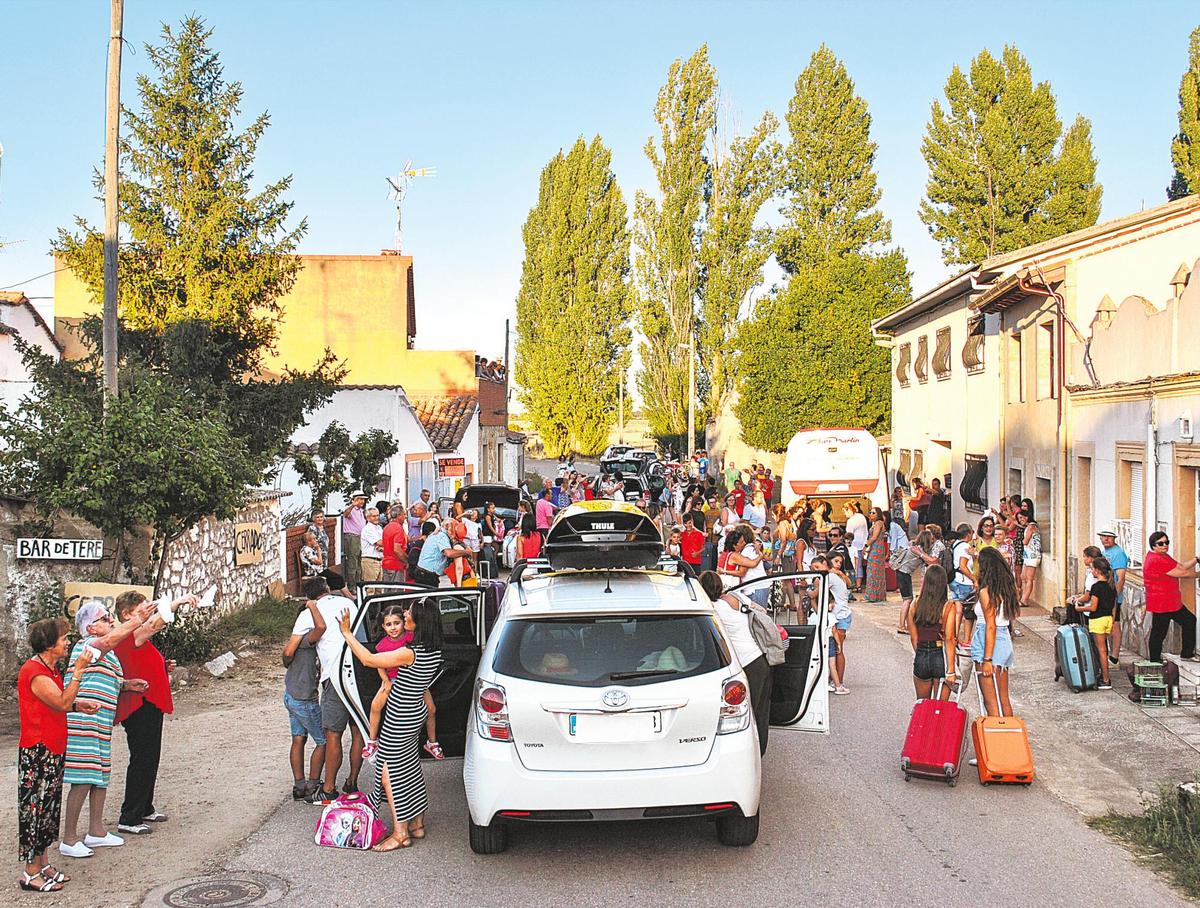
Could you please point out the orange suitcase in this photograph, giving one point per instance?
(1001, 747)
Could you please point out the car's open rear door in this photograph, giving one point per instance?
(800, 686)
(463, 635)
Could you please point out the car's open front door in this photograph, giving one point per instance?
(800, 686)
(463, 635)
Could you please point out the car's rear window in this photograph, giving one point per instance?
(598, 651)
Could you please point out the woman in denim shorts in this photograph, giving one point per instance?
(991, 643)
(931, 628)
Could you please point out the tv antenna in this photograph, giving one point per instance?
(400, 186)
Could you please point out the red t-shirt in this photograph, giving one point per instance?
(531, 545)
(589, 494)
(768, 487)
(144, 662)
(393, 533)
(691, 546)
(1162, 592)
(40, 724)
(739, 500)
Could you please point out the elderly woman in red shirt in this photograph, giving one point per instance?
(1161, 575)
(142, 712)
(43, 704)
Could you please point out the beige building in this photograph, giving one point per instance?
(1079, 390)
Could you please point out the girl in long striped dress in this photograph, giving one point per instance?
(88, 760)
(400, 783)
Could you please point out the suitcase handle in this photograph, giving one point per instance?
(979, 690)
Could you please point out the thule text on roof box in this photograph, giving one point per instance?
(603, 534)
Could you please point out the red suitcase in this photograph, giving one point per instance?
(937, 734)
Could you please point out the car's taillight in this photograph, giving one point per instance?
(491, 712)
(735, 707)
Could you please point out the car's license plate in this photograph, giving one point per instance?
(614, 728)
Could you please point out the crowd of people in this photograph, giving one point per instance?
(727, 525)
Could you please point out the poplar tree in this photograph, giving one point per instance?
(806, 356)
(1185, 149)
(574, 303)
(1001, 173)
(668, 235)
(829, 184)
(734, 249)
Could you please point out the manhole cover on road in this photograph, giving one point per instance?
(234, 890)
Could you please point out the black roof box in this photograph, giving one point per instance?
(603, 534)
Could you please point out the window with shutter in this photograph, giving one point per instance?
(941, 354)
(972, 354)
(921, 367)
(904, 360)
(1137, 531)
(973, 488)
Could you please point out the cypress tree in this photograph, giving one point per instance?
(1185, 149)
(573, 305)
(1001, 173)
(205, 257)
(829, 177)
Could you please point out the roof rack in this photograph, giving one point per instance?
(603, 534)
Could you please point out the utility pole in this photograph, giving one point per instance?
(691, 445)
(621, 398)
(112, 129)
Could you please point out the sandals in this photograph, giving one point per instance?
(391, 843)
(48, 884)
(417, 832)
(56, 874)
(434, 750)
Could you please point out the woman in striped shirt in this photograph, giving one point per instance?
(88, 762)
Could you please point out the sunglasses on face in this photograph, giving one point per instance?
(1162, 542)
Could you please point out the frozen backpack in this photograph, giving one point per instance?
(350, 822)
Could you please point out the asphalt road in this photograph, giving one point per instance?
(840, 827)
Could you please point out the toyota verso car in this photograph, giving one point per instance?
(603, 686)
(607, 690)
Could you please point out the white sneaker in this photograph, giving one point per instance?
(108, 840)
(841, 689)
(157, 817)
(78, 850)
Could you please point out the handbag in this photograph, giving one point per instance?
(350, 822)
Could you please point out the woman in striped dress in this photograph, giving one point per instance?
(400, 782)
(88, 760)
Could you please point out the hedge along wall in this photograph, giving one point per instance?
(202, 557)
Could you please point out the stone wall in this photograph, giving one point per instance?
(30, 588)
(205, 556)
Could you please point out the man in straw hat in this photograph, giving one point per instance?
(354, 518)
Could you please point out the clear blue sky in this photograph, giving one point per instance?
(488, 92)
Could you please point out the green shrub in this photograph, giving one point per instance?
(1166, 835)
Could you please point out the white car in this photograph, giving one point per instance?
(602, 685)
(612, 693)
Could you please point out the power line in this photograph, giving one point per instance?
(37, 277)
